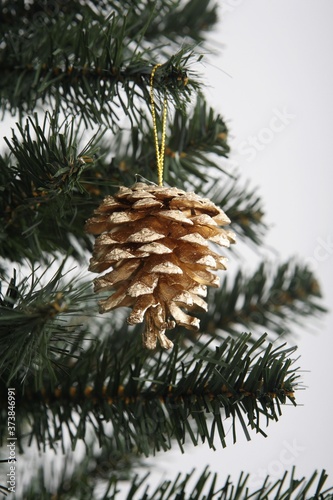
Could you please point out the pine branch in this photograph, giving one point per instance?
(44, 197)
(98, 70)
(206, 488)
(171, 19)
(244, 208)
(151, 401)
(196, 145)
(193, 143)
(188, 20)
(38, 324)
(83, 484)
(17, 14)
(269, 299)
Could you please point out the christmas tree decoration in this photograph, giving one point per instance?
(155, 238)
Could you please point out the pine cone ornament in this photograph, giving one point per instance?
(155, 240)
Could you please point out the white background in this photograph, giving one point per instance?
(277, 55)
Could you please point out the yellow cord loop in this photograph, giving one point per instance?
(160, 150)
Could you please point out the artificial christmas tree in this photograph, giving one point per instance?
(77, 76)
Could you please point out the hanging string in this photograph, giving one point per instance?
(160, 150)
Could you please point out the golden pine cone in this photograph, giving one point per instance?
(155, 239)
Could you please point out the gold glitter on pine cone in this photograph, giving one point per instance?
(155, 240)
